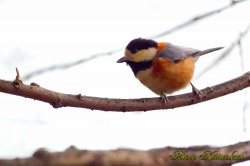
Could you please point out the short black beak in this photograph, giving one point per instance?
(123, 59)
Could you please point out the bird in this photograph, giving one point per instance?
(163, 67)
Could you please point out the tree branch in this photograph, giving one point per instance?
(225, 53)
(57, 100)
(197, 18)
(69, 64)
(168, 156)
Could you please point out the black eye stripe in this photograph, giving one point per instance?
(139, 44)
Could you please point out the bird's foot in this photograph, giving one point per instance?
(164, 98)
(196, 92)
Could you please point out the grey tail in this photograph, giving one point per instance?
(200, 53)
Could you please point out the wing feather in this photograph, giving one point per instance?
(176, 53)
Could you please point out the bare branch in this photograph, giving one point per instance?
(68, 65)
(242, 64)
(244, 108)
(57, 100)
(94, 56)
(225, 53)
(168, 156)
(197, 18)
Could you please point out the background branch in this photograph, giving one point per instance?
(57, 100)
(69, 64)
(225, 53)
(97, 55)
(127, 157)
(197, 18)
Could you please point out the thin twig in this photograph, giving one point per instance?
(17, 82)
(94, 56)
(68, 65)
(226, 53)
(196, 19)
(242, 64)
(17, 74)
(58, 100)
(244, 108)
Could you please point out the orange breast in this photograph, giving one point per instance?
(174, 76)
(166, 76)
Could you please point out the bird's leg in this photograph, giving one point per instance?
(196, 91)
(164, 98)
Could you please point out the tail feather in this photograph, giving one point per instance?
(200, 53)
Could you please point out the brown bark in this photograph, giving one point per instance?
(57, 100)
(194, 156)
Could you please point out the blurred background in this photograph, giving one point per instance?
(37, 34)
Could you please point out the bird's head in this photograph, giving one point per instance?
(139, 50)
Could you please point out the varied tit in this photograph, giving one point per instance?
(162, 67)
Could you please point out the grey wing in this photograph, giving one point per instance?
(177, 53)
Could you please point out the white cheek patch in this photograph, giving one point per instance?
(144, 55)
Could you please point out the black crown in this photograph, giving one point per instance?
(139, 44)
